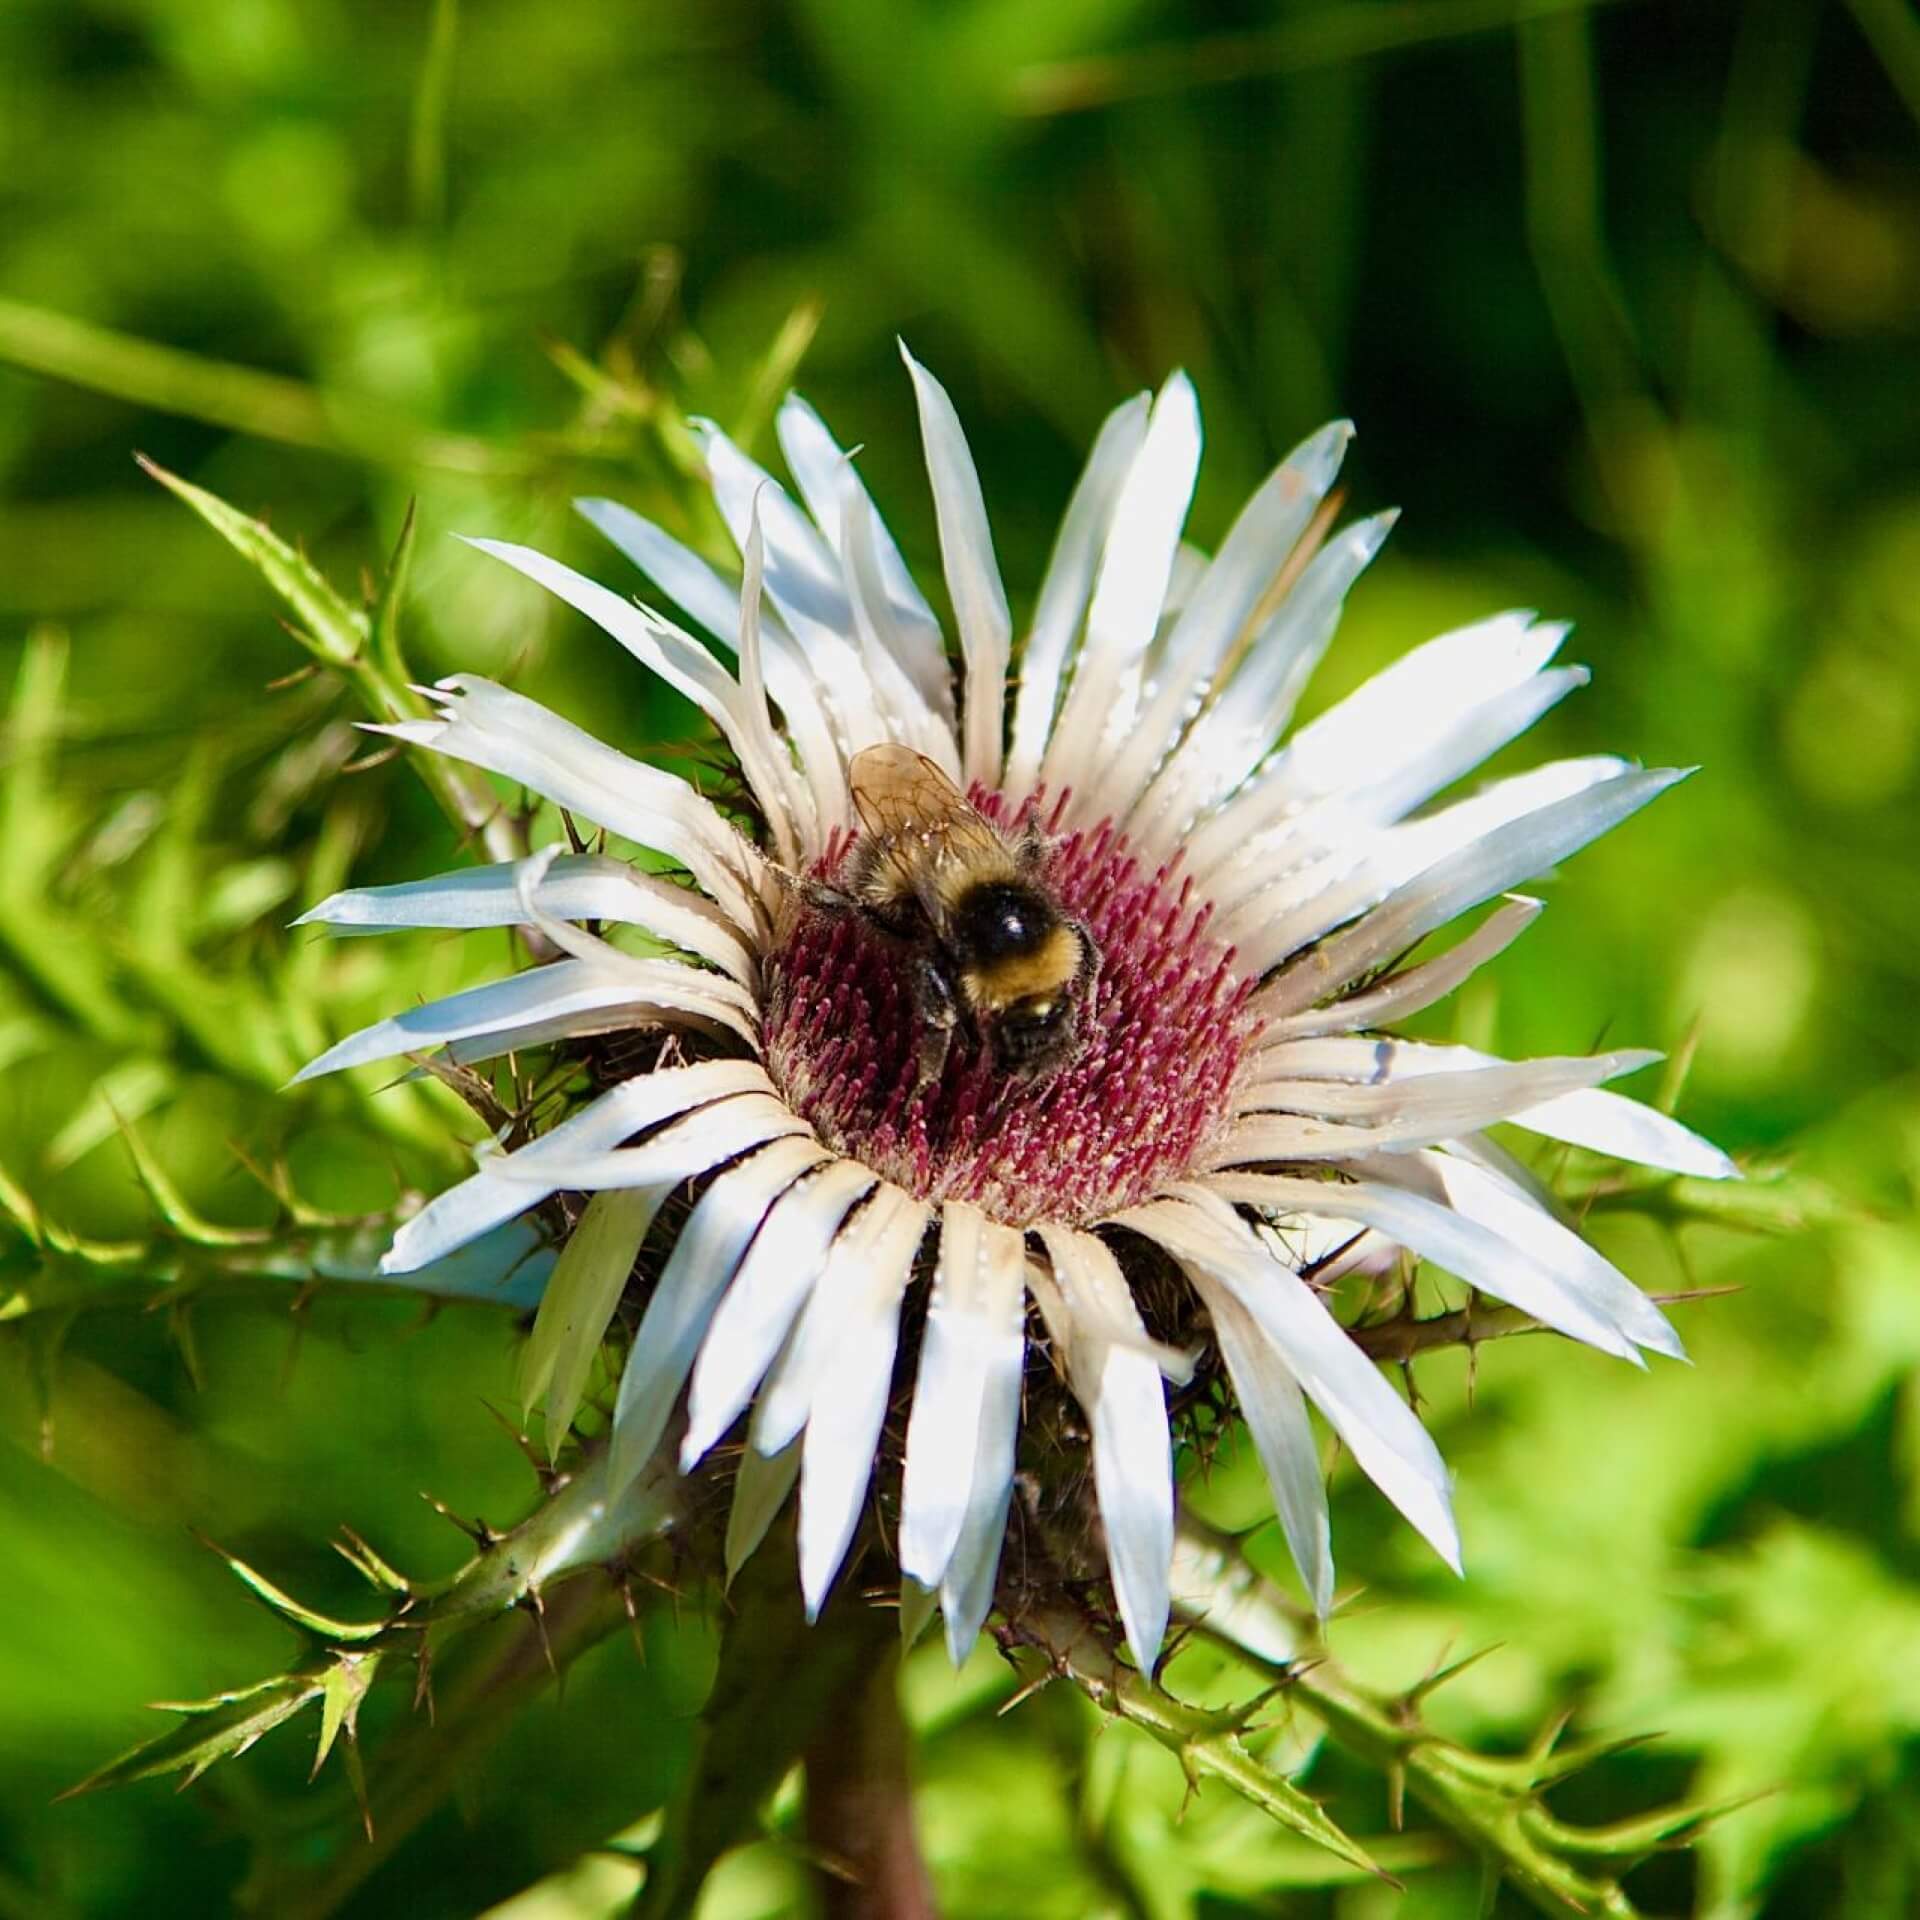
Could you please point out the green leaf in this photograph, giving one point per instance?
(346, 1686)
(172, 1205)
(213, 1730)
(333, 630)
(393, 598)
(1207, 1743)
(322, 1626)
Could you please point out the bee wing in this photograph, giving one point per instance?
(924, 827)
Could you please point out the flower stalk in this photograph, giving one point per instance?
(820, 1695)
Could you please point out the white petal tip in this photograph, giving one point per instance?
(1658, 1334)
(922, 1562)
(1628, 1060)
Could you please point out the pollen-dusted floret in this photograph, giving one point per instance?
(1162, 1038)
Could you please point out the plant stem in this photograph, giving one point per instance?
(860, 1801)
(782, 1685)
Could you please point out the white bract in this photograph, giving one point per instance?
(1146, 706)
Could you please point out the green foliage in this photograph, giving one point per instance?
(1622, 299)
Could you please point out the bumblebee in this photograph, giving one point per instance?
(992, 951)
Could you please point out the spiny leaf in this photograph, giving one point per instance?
(1549, 1771)
(344, 1632)
(53, 949)
(31, 831)
(346, 1686)
(369, 1565)
(1447, 1672)
(214, 1730)
(1624, 1839)
(1769, 1200)
(335, 631)
(393, 595)
(172, 1205)
(17, 1205)
(1206, 1743)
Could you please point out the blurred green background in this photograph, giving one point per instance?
(1625, 301)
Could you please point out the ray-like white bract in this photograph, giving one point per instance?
(1253, 895)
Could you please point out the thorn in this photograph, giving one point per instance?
(1045, 1677)
(297, 1315)
(1243, 1718)
(1397, 1795)
(360, 1556)
(1412, 1386)
(1682, 1295)
(368, 761)
(1578, 1759)
(1177, 1640)
(298, 677)
(532, 1603)
(633, 1618)
(180, 1325)
(299, 633)
(1548, 1737)
(423, 1679)
(1438, 1676)
(1190, 1767)
(357, 1774)
(482, 1535)
(1679, 1065)
(548, 1476)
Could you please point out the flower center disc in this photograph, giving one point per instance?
(1160, 1039)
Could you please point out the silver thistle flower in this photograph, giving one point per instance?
(1233, 1110)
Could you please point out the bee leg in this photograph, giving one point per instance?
(938, 1011)
(1088, 972)
(825, 898)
